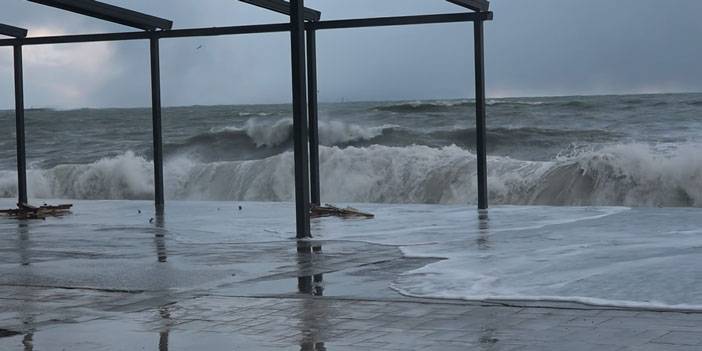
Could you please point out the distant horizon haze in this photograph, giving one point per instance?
(357, 101)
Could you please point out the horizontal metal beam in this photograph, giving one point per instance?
(283, 7)
(110, 13)
(176, 33)
(402, 20)
(475, 5)
(251, 29)
(11, 31)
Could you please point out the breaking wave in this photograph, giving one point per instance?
(628, 175)
(261, 139)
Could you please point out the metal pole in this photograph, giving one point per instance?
(19, 125)
(314, 115)
(480, 123)
(299, 86)
(156, 119)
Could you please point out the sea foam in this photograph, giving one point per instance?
(626, 175)
(263, 133)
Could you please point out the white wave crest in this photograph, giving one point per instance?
(267, 134)
(126, 176)
(628, 175)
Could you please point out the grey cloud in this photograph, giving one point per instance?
(540, 47)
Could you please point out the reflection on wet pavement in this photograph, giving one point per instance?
(23, 243)
(483, 239)
(165, 316)
(160, 237)
(142, 286)
(28, 342)
(312, 284)
(313, 315)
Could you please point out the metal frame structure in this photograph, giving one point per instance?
(109, 13)
(303, 25)
(284, 8)
(475, 5)
(18, 33)
(12, 31)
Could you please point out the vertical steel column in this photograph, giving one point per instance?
(299, 95)
(19, 125)
(314, 115)
(156, 120)
(480, 123)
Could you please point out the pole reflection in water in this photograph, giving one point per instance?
(160, 237)
(24, 251)
(28, 341)
(165, 314)
(483, 240)
(313, 346)
(314, 316)
(487, 337)
(307, 281)
(162, 257)
(23, 243)
(28, 322)
(488, 341)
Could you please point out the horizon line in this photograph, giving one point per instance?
(352, 101)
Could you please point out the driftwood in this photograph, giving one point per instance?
(32, 212)
(332, 211)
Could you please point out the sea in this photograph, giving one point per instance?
(626, 150)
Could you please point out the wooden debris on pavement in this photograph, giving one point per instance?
(32, 212)
(332, 211)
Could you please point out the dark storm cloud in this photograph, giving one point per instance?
(539, 47)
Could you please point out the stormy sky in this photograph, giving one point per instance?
(534, 48)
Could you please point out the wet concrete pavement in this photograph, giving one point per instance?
(97, 287)
(35, 318)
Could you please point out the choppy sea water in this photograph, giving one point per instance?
(638, 150)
